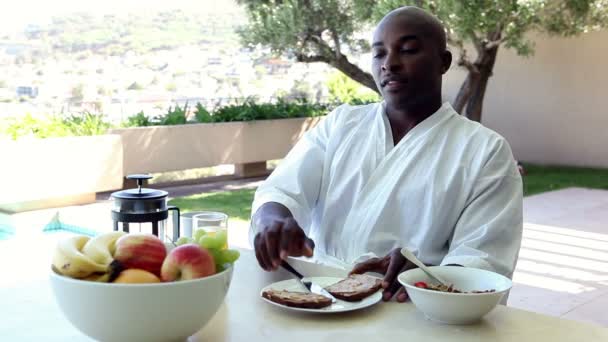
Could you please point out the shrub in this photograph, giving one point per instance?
(174, 116)
(55, 126)
(138, 120)
(342, 89)
(202, 115)
(249, 110)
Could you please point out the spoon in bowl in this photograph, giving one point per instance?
(411, 257)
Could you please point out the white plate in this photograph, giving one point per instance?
(338, 306)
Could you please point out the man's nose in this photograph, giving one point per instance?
(391, 62)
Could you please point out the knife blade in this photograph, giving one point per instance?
(309, 285)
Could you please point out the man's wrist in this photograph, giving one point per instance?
(271, 211)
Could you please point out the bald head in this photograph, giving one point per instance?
(409, 58)
(426, 23)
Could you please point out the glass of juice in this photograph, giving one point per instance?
(210, 230)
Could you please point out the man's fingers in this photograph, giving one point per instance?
(260, 252)
(284, 245)
(397, 261)
(401, 295)
(390, 290)
(272, 239)
(309, 247)
(371, 265)
(257, 248)
(297, 238)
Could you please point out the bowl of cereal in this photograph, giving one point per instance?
(470, 294)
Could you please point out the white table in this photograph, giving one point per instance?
(28, 312)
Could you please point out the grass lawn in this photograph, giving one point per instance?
(237, 204)
(548, 178)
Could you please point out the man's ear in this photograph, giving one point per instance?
(446, 59)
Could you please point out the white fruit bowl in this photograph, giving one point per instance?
(140, 312)
(456, 308)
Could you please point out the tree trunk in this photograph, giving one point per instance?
(475, 103)
(354, 72)
(465, 91)
(469, 100)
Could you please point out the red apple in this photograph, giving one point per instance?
(141, 251)
(189, 261)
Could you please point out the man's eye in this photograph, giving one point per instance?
(379, 54)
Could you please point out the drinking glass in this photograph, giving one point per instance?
(213, 226)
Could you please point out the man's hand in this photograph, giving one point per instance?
(391, 265)
(280, 236)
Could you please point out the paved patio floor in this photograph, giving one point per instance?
(562, 269)
(563, 263)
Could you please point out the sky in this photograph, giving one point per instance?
(20, 13)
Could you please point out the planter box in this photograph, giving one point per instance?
(54, 172)
(42, 173)
(182, 147)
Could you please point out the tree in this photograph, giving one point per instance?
(310, 31)
(486, 25)
(324, 30)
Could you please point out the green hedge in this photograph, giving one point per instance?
(95, 124)
(54, 126)
(248, 110)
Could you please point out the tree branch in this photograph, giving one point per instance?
(477, 42)
(336, 39)
(326, 54)
(300, 57)
(494, 39)
(488, 45)
(463, 59)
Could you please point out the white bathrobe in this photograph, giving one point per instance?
(449, 191)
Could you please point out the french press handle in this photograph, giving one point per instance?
(176, 219)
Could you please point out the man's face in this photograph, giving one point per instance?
(407, 62)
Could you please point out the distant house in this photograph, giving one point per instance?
(275, 66)
(214, 61)
(27, 91)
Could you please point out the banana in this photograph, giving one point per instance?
(101, 247)
(99, 277)
(69, 260)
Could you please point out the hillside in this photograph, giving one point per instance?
(115, 35)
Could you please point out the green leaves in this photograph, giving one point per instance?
(312, 27)
(572, 17)
(174, 116)
(342, 89)
(95, 124)
(306, 27)
(86, 124)
(478, 21)
(55, 125)
(202, 115)
(138, 120)
(249, 110)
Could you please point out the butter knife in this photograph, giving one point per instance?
(312, 287)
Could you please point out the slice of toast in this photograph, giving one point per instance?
(355, 288)
(297, 299)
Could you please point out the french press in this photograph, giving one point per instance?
(144, 210)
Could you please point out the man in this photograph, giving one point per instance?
(407, 172)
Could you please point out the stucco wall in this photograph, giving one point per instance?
(550, 106)
(70, 167)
